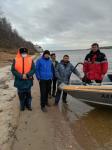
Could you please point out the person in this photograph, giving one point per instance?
(95, 65)
(23, 69)
(53, 82)
(44, 74)
(63, 72)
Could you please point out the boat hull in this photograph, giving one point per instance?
(93, 97)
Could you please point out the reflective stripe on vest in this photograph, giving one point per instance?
(23, 65)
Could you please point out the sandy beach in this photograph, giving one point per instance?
(46, 131)
(31, 130)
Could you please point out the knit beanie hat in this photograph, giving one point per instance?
(46, 52)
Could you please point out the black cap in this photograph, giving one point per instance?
(46, 52)
(23, 50)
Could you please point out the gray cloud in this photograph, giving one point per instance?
(61, 24)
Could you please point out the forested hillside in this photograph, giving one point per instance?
(10, 40)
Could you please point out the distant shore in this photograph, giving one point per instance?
(105, 48)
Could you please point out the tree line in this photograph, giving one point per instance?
(10, 39)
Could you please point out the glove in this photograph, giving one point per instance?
(84, 79)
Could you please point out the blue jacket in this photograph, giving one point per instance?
(44, 69)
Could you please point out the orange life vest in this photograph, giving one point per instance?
(23, 65)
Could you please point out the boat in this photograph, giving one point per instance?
(92, 94)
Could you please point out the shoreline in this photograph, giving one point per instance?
(8, 109)
(21, 130)
(43, 131)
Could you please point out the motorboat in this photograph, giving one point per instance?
(91, 93)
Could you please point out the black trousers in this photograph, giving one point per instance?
(25, 99)
(97, 81)
(52, 87)
(58, 95)
(44, 91)
(86, 80)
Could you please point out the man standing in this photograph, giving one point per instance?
(44, 74)
(63, 72)
(53, 82)
(23, 70)
(95, 65)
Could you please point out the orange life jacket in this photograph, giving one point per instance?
(23, 65)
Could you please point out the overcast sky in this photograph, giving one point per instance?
(61, 24)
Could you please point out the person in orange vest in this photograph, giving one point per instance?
(23, 69)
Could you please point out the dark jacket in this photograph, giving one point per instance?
(63, 72)
(56, 63)
(20, 83)
(54, 67)
(95, 65)
(44, 69)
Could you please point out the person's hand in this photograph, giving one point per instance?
(83, 79)
(24, 76)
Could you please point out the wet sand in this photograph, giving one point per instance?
(43, 131)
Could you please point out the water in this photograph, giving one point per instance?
(91, 126)
(79, 55)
